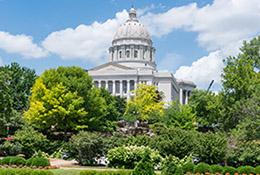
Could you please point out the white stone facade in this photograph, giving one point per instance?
(132, 61)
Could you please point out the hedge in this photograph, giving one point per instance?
(92, 172)
(13, 160)
(38, 161)
(9, 171)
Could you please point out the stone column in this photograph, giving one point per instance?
(121, 88)
(128, 89)
(106, 85)
(186, 97)
(181, 93)
(114, 87)
(99, 84)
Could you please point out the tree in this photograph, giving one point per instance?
(15, 85)
(207, 106)
(66, 94)
(181, 116)
(145, 106)
(241, 79)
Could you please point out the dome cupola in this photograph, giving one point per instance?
(132, 44)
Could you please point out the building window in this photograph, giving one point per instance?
(96, 84)
(120, 54)
(135, 53)
(124, 86)
(103, 84)
(110, 86)
(143, 54)
(117, 87)
(132, 85)
(128, 54)
(151, 55)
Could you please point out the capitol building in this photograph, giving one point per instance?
(132, 62)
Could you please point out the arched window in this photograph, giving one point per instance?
(136, 54)
(120, 54)
(127, 54)
(151, 55)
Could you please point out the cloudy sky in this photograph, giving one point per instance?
(191, 37)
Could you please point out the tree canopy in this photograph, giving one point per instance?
(15, 85)
(145, 105)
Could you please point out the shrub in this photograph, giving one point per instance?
(202, 168)
(145, 166)
(188, 167)
(9, 171)
(173, 165)
(174, 141)
(257, 170)
(211, 148)
(31, 141)
(38, 161)
(216, 169)
(85, 147)
(119, 172)
(246, 170)
(229, 169)
(129, 156)
(9, 148)
(13, 160)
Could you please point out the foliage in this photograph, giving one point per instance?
(15, 85)
(106, 172)
(85, 147)
(229, 169)
(31, 141)
(241, 82)
(244, 153)
(202, 168)
(145, 105)
(13, 160)
(145, 166)
(181, 116)
(257, 169)
(66, 94)
(10, 148)
(188, 167)
(246, 170)
(207, 106)
(174, 141)
(10, 171)
(211, 148)
(38, 161)
(217, 169)
(174, 165)
(129, 156)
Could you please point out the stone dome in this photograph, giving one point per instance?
(132, 29)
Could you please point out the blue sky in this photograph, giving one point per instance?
(191, 37)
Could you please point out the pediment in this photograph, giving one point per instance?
(110, 67)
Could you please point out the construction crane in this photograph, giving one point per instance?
(210, 85)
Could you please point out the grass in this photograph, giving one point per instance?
(76, 171)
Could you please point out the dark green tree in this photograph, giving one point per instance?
(241, 80)
(207, 106)
(15, 86)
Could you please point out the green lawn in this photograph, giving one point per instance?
(77, 171)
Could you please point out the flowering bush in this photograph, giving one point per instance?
(129, 156)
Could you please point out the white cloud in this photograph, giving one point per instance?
(170, 60)
(204, 70)
(21, 44)
(87, 42)
(221, 28)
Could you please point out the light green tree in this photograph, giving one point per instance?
(146, 104)
(64, 99)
